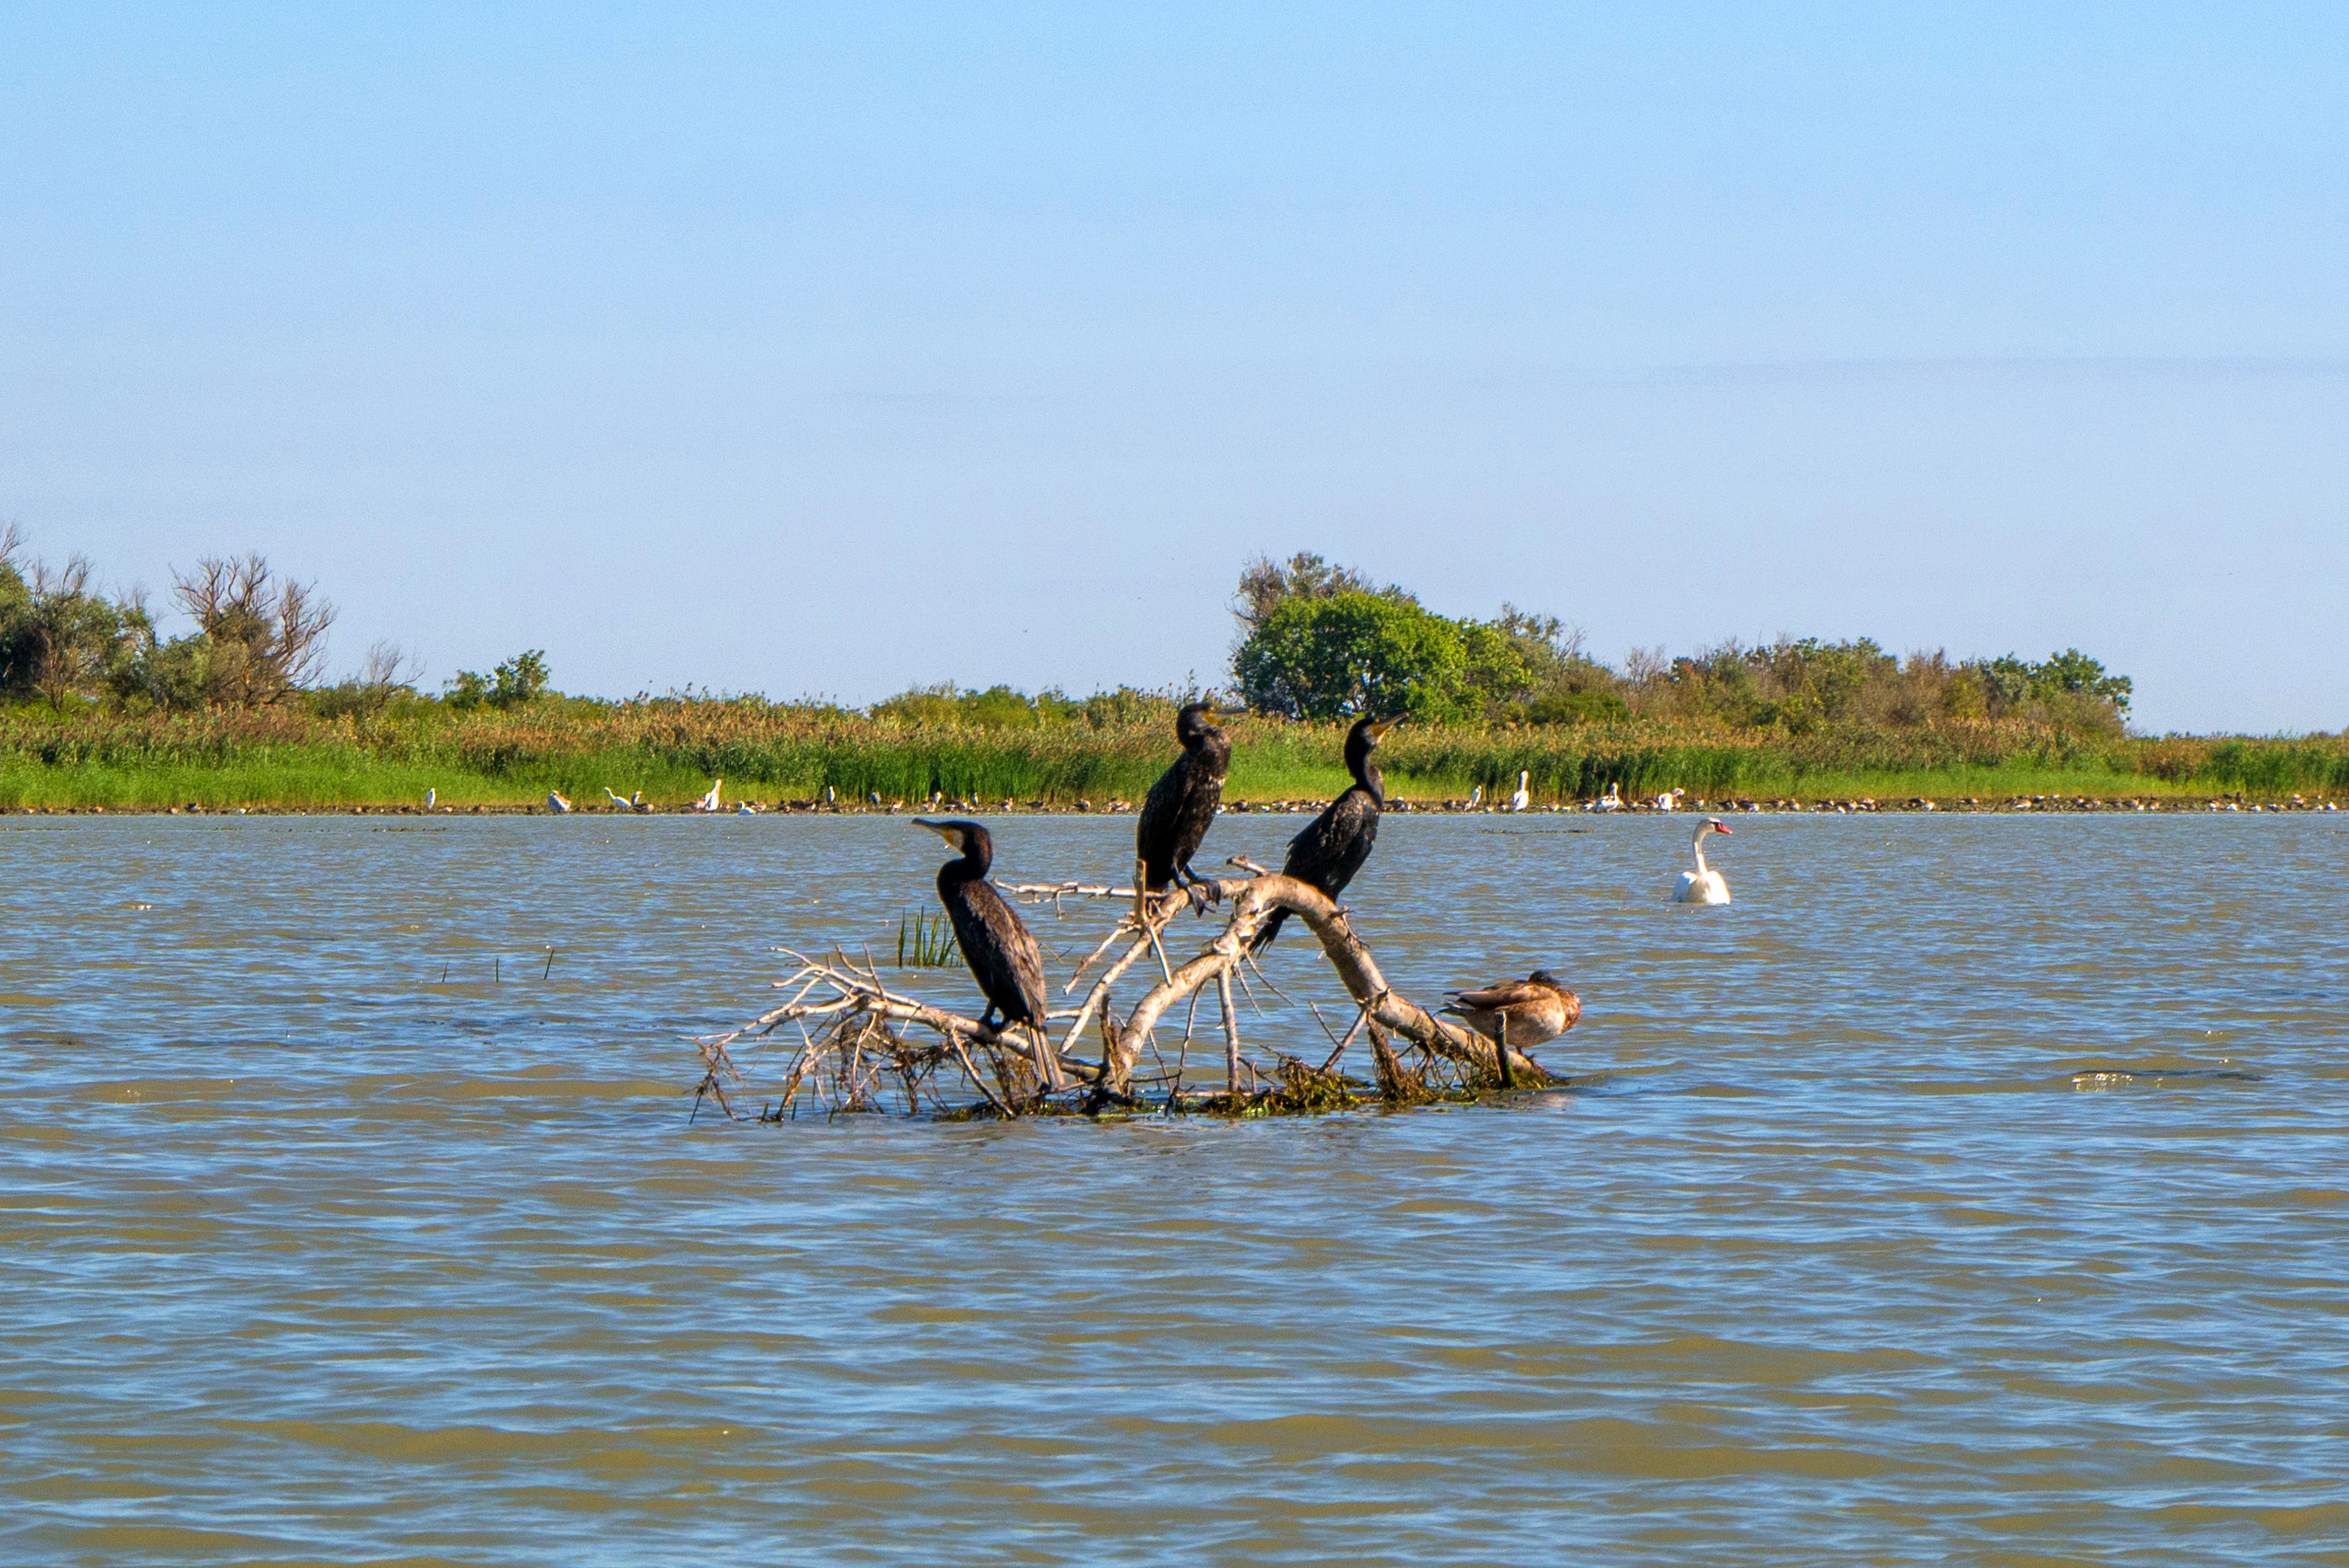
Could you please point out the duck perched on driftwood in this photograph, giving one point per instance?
(1519, 1013)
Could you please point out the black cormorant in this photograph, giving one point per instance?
(1002, 956)
(1333, 847)
(1181, 806)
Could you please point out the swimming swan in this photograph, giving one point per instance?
(1704, 885)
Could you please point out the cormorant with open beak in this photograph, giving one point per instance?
(1333, 847)
(1002, 956)
(1181, 806)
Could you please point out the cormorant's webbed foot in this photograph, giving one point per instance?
(1201, 891)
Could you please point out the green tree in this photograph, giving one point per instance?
(516, 683)
(2073, 672)
(1355, 653)
(2067, 687)
(59, 641)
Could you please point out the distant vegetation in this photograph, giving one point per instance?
(1321, 642)
(96, 708)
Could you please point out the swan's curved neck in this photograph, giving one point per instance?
(1696, 848)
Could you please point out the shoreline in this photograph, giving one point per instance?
(2171, 803)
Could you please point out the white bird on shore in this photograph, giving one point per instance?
(623, 802)
(1610, 801)
(431, 798)
(1524, 797)
(556, 803)
(744, 808)
(1704, 885)
(1475, 797)
(710, 801)
(1670, 799)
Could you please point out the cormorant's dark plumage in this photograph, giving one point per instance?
(1333, 847)
(1002, 956)
(1181, 806)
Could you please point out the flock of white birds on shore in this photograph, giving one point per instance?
(1700, 885)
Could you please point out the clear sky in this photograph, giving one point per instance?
(831, 349)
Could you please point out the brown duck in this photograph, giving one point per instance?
(1519, 1013)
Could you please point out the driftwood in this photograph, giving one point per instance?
(1254, 899)
(856, 1035)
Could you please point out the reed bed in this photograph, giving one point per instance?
(671, 749)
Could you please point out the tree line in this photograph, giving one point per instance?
(1324, 641)
(1315, 641)
(258, 638)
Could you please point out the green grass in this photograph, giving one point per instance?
(671, 750)
(326, 777)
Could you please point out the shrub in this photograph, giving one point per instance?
(59, 641)
(516, 683)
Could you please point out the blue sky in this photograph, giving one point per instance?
(827, 351)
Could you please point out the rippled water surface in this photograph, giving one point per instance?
(1970, 1190)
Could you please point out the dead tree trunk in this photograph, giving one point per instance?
(849, 1021)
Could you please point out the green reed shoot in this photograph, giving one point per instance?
(927, 942)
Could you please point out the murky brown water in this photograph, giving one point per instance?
(1970, 1190)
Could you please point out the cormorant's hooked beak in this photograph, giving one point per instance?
(945, 830)
(1375, 729)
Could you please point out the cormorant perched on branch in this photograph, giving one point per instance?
(1333, 847)
(1181, 806)
(1002, 956)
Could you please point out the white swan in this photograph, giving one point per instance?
(1670, 800)
(1610, 801)
(556, 803)
(710, 801)
(1704, 885)
(1524, 797)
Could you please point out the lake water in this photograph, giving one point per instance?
(1971, 1190)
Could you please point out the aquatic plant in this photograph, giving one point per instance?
(927, 942)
